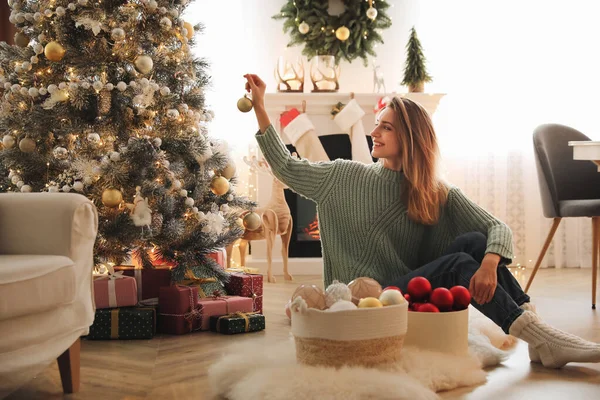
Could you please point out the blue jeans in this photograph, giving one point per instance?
(463, 258)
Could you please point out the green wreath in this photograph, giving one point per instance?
(348, 36)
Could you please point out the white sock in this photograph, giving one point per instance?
(529, 307)
(552, 347)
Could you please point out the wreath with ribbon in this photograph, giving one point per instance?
(350, 35)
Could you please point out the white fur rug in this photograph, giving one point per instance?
(270, 374)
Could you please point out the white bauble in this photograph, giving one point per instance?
(157, 141)
(162, 10)
(24, 91)
(52, 88)
(60, 153)
(93, 137)
(34, 59)
(48, 13)
(82, 2)
(38, 48)
(152, 5)
(189, 202)
(88, 180)
(115, 156)
(391, 297)
(342, 305)
(121, 86)
(43, 91)
(72, 6)
(166, 23)
(371, 13)
(60, 11)
(37, 17)
(53, 189)
(33, 92)
(26, 189)
(173, 113)
(66, 188)
(78, 186)
(183, 193)
(97, 85)
(15, 179)
(165, 91)
(85, 85)
(118, 34)
(62, 85)
(20, 184)
(303, 28)
(337, 291)
(177, 184)
(109, 86)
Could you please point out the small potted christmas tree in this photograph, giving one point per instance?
(415, 72)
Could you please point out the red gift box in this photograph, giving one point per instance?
(115, 290)
(222, 305)
(178, 310)
(148, 280)
(220, 257)
(247, 285)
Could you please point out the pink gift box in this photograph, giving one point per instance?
(222, 305)
(220, 257)
(247, 285)
(115, 292)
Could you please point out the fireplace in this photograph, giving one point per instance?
(305, 240)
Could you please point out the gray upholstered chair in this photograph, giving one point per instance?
(569, 188)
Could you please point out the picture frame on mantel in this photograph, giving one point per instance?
(318, 108)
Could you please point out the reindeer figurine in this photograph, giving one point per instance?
(276, 220)
(378, 82)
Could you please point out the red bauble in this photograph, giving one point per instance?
(407, 297)
(442, 298)
(417, 306)
(428, 307)
(419, 288)
(392, 288)
(462, 297)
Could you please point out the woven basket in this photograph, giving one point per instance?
(368, 337)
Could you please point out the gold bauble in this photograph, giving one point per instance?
(219, 185)
(240, 223)
(54, 51)
(229, 171)
(27, 145)
(369, 302)
(190, 30)
(144, 64)
(21, 39)
(112, 197)
(244, 104)
(342, 33)
(252, 221)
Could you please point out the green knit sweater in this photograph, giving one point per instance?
(363, 224)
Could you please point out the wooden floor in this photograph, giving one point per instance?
(174, 367)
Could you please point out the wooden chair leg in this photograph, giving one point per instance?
(68, 365)
(553, 229)
(595, 254)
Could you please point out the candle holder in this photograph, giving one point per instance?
(324, 74)
(289, 75)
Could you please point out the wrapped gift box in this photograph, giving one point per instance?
(148, 280)
(237, 323)
(205, 286)
(124, 323)
(222, 305)
(112, 291)
(247, 285)
(220, 257)
(178, 310)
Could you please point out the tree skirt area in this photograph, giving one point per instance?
(269, 373)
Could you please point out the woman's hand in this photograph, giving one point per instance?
(256, 85)
(484, 281)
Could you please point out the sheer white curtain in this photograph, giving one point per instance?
(507, 67)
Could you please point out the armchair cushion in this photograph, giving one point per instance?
(31, 284)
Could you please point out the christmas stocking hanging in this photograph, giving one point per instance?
(301, 132)
(349, 120)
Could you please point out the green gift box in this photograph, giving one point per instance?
(124, 323)
(238, 322)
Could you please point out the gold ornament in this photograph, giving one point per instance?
(364, 287)
(219, 185)
(144, 64)
(244, 104)
(104, 102)
(112, 197)
(27, 145)
(229, 171)
(252, 221)
(190, 30)
(342, 33)
(240, 223)
(312, 295)
(369, 302)
(21, 39)
(54, 51)
(303, 28)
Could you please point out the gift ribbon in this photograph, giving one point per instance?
(112, 276)
(193, 281)
(238, 314)
(193, 314)
(254, 295)
(114, 323)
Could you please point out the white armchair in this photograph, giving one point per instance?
(46, 295)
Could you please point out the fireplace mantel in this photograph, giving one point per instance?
(318, 108)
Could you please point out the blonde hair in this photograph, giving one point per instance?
(424, 193)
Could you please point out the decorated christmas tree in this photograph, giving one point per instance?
(104, 98)
(415, 72)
